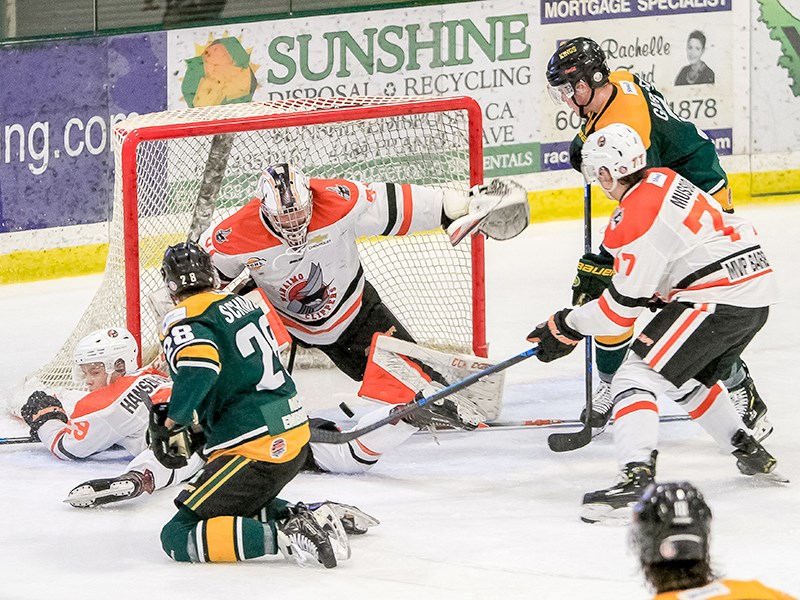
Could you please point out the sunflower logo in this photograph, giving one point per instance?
(220, 73)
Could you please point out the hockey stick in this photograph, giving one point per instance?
(342, 437)
(17, 440)
(216, 164)
(553, 423)
(564, 442)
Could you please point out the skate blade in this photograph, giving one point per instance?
(330, 523)
(606, 515)
(771, 477)
(762, 430)
(87, 496)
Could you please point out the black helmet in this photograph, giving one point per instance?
(671, 521)
(187, 268)
(578, 59)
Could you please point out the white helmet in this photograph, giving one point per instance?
(286, 202)
(616, 147)
(105, 346)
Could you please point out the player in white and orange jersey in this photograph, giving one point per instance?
(670, 535)
(712, 284)
(298, 239)
(114, 413)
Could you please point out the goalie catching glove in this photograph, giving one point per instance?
(593, 277)
(39, 409)
(555, 338)
(499, 209)
(171, 447)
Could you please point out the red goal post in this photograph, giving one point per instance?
(163, 163)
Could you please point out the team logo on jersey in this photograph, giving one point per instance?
(221, 236)
(308, 295)
(340, 190)
(254, 263)
(278, 448)
(616, 217)
(318, 240)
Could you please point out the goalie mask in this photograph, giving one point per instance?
(616, 148)
(187, 269)
(114, 347)
(671, 521)
(286, 203)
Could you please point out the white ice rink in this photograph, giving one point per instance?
(489, 514)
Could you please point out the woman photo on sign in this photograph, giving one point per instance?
(696, 72)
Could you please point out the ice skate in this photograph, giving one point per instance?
(301, 539)
(104, 491)
(327, 519)
(751, 407)
(354, 520)
(613, 505)
(753, 460)
(602, 404)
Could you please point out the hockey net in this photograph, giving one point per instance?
(173, 168)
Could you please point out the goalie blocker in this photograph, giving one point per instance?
(397, 371)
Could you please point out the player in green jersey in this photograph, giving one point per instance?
(231, 394)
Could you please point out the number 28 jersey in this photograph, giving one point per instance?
(669, 239)
(227, 377)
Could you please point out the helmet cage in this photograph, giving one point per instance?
(106, 346)
(286, 202)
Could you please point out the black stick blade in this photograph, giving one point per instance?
(566, 442)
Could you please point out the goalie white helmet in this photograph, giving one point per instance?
(106, 346)
(286, 202)
(616, 148)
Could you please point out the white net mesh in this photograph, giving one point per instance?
(426, 282)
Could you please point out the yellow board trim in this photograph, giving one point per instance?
(35, 265)
(763, 187)
(220, 540)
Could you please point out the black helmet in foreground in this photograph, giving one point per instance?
(187, 269)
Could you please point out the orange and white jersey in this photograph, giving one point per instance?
(727, 589)
(318, 292)
(116, 414)
(670, 239)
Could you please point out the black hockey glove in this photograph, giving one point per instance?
(555, 338)
(171, 447)
(41, 408)
(594, 276)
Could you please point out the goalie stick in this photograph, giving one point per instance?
(342, 437)
(572, 440)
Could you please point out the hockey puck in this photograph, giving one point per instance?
(346, 410)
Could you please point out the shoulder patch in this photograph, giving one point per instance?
(172, 317)
(628, 87)
(340, 190)
(656, 178)
(616, 217)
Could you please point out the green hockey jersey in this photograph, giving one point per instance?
(670, 141)
(227, 377)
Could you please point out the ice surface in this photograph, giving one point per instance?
(491, 514)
